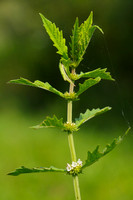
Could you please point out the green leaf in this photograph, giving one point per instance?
(25, 170)
(56, 36)
(87, 84)
(96, 73)
(96, 154)
(39, 84)
(81, 37)
(66, 64)
(90, 114)
(74, 41)
(50, 123)
(85, 35)
(64, 74)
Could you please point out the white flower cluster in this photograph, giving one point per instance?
(74, 168)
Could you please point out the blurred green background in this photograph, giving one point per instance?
(26, 51)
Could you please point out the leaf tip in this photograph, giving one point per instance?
(91, 13)
(12, 174)
(12, 81)
(35, 127)
(41, 15)
(8, 82)
(109, 108)
(129, 128)
(99, 29)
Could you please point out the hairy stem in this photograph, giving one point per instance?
(71, 144)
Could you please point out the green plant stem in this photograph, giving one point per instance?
(76, 187)
(71, 144)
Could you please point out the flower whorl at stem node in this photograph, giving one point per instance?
(70, 127)
(70, 96)
(75, 168)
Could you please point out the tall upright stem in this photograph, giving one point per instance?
(71, 143)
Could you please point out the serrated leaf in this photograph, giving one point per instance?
(25, 170)
(64, 73)
(87, 84)
(81, 37)
(85, 35)
(90, 114)
(50, 123)
(39, 84)
(94, 156)
(56, 36)
(96, 73)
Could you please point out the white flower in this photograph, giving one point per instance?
(74, 168)
(74, 164)
(79, 162)
(68, 167)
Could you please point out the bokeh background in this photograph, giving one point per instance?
(26, 51)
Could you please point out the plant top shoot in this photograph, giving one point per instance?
(68, 63)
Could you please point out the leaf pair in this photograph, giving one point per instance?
(58, 123)
(81, 36)
(92, 157)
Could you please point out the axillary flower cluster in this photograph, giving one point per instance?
(70, 127)
(74, 168)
